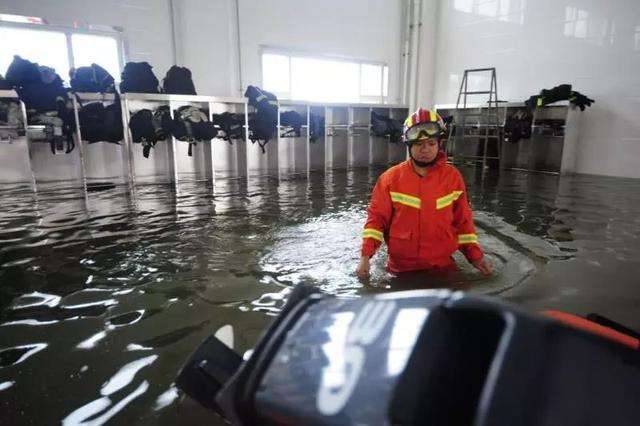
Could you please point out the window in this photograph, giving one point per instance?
(44, 47)
(575, 22)
(36, 42)
(309, 78)
(504, 10)
(275, 73)
(101, 50)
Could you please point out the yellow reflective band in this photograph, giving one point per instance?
(539, 102)
(467, 239)
(261, 97)
(405, 199)
(372, 233)
(447, 200)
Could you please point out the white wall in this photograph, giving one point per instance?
(600, 56)
(206, 44)
(361, 29)
(146, 23)
(206, 32)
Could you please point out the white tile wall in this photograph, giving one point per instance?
(536, 44)
(362, 29)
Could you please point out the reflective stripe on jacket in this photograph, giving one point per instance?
(422, 219)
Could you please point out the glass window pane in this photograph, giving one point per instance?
(385, 81)
(89, 49)
(581, 29)
(324, 80)
(463, 5)
(275, 73)
(371, 80)
(488, 8)
(44, 47)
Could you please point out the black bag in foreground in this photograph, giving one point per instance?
(430, 357)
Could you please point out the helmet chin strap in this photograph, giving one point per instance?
(422, 163)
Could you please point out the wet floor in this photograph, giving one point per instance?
(103, 297)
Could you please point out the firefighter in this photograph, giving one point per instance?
(419, 208)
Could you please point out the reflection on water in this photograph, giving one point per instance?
(103, 297)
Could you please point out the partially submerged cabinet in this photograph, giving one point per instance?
(547, 143)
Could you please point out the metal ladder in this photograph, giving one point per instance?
(487, 120)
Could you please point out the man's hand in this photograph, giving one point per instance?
(363, 268)
(483, 266)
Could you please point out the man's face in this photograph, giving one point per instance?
(425, 150)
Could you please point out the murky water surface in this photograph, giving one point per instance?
(103, 297)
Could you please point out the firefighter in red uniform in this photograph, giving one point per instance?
(420, 208)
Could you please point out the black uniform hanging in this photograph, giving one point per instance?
(262, 125)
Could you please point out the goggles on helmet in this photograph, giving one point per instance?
(430, 130)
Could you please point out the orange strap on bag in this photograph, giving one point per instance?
(592, 327)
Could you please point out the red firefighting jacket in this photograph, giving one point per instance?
(423, 220)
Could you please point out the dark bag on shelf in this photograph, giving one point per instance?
(562, 92)
(230, 124)
(143, 131)
(138, 77)
(91, 79)
(262, 124)
(101, 124)
(316, 127)
(178, 81)
(46, 100)
(190, 124)
(383, 126)
(261, 130)
(294, 120)
(265, 103)
(4, 84)
(39, 87)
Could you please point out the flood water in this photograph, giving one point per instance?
(103, 297)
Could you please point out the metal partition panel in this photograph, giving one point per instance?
(358, 132)
(292, 148)
(100, 161)
(14, 144)
(59, 167)
(316, 148)
(229, 157)
(198, 166)
(379, 145)
(336, 140)
(570, 146)
(158, 167)
(262, 161)
(398, 150)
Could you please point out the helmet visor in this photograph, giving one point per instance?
(429, 130)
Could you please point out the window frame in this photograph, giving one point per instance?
(68, 31)
(384, 92)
